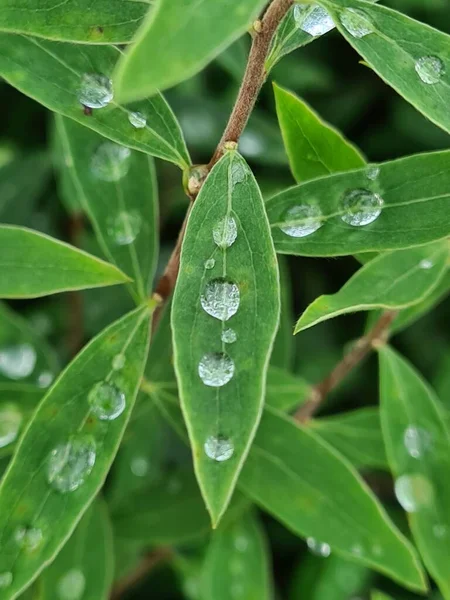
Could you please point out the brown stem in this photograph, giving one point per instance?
(148, 563)
(377, 335)
(75, 334)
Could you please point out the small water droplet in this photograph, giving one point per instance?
(318, 548)
(241, 543)
(137, 119)
(229, 336)
(107, 401)
(216, 369)
(110, 162)
(10, 421)
(377, 550)
(17, 362)
(357, 549)
(6, 579)
(302, 220)
(210, 264)
(361, 207)
(96, 91)
(236, 566)
(69, 464)
(238, 172)
(356, 22)
(417, 441)
(219, 448)
(440, 531)
(413, 492)
(71, 585)
(220, 299)
(426, 264)
(118, 362)
(225, 232)
(125, 227)
(139, 466)
(28, 538)
(430, 69)
(45, 379)
(314, 20)
(372, 172)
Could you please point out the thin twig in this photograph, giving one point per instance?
(148, 563)
(377, 335)
(75, 334)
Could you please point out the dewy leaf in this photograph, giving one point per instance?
(225, 315)
(179, 38)
(84, 568)
(80, 77)
(418, 447)
(17, 402)
(410, 56)
(397, 204)
(117, 188)
(393, 280)
(304, 483)
(65, 453)
(237, 562)
(100, 22)
(314, 147)
(34, 264)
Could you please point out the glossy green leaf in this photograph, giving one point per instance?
(410, 56)
(34, 264)
(403, 204)
(242, 547)
(393, 280)
(66, 451)
(221, 373)
(26, 62)
(17, 403)
(314, 147)
(84, 568)
(418, 447)
(322, 497)
(180, 37)
(283, 347)
(117, 188)
(284, 390)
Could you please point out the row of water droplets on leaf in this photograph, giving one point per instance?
(237, 565)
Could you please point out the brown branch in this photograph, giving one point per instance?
(75, 334)
(148, 563)
(377, 335)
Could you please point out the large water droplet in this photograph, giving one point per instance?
(45, 379)
(318, 548)
(125, 227)
(71, 585)
(107, 401)
(210, 264)
(139, 466)
(225, 232)
(220, 299)
(216, 369)
(356, 22)
(69, 464)
(6, 579)
(219, 448)
(110, 162)
(10, 421)
(314, 20)
(137, 119)
(417, 441)
(300, 221)
(118, 362)
(361, 207)
(426, 264)
(414, 492)
(430, 69)
(96, 91)
(228, 336)
(17, 362)
(28, 538)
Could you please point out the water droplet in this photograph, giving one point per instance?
(17, 362)
(241, 543)
(220, 299)
(28, 538)
(430, 69)
(107, 401)
(413, 492)
(426, 264)
(110, 162)
(318, 548)
(356, 22)
(377, 550)
(237, 590)
(229, 336)
(238, 172)
(96, 91)
(300, 221)
(10, 422)
(45, 379)
(219, 448)
(372, 172)
(440, 531)
(314, 20)
(118, 362)
(137, 119)
(125, 227)
(71, 586)
(361, 207)
(357, 549)
(6, 579)
(216, 369)
(417, 441)
(139, 466)
(210, 264)
(236, 566)
(225, 232)
(69, 464)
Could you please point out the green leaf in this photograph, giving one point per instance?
(34, 264)
(285, 391)
(376, 595)
(403, 204)
(66, 451)
(85, 565)
(180, 37)
(283, 347)
(410, 56)
(322, 497)
(241, 547)
(314, 147)
(418, 447)
(393, 280)
(117, 188)
(17, 403)
(222, 383)
(79, 72)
